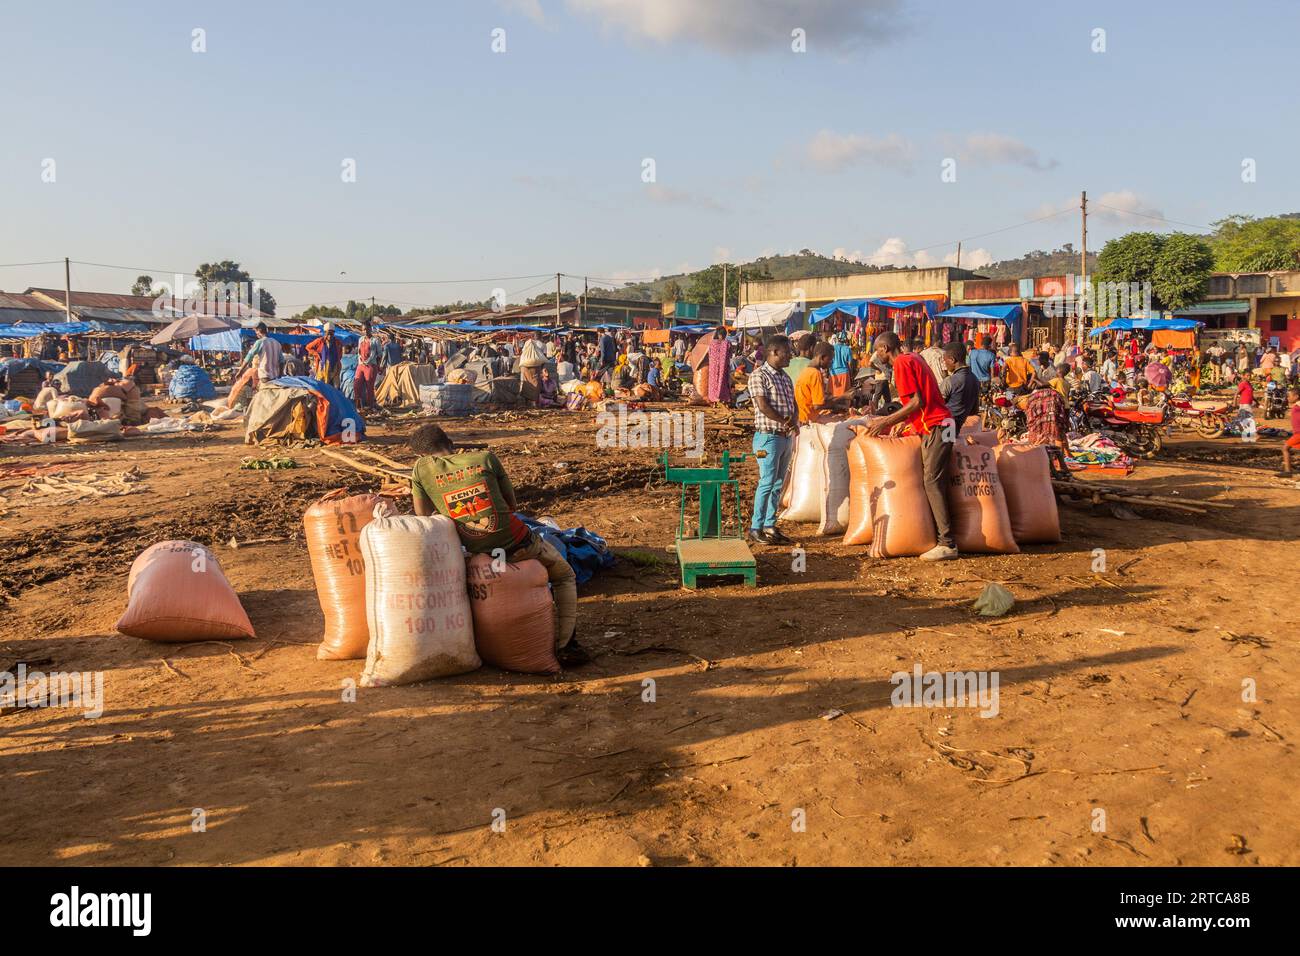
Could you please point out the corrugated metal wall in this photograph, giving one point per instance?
(991, 289)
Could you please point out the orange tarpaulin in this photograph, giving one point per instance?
(1173, 339)
(655, 336)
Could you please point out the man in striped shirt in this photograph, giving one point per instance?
(776, 418)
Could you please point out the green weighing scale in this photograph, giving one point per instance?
(709, 552)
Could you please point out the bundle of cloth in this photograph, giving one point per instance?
(1095, 453)
(585, 551)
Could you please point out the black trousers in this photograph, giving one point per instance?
(936, 463)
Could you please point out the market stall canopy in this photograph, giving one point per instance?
(232, 340)
(187, 327)
(988, 313)
(858, 307)
(765, 315)
(1128, 325)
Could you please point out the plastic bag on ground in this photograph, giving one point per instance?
(333, 530)
(176, 591)
(514, 615)
(1026, 474)
(888, 508)
(994, 600)
(977, 506)
(417, 609)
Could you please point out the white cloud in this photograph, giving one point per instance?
(995, 149)
(830, 151)
(1121, 208)
(532, 9)
(734, 26)
(668, 196)
(721, 254)
(894, 251)
(970, 258)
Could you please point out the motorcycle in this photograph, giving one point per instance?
(1275, 401)
(1207, 419)
(1001, 414)
(1140, 431)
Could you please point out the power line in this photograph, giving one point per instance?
(1134, 212)
(994, 232)
(19, 265)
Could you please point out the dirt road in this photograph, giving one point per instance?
(1121, 734)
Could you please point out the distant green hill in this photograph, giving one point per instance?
(1058, 262)
(808, 264)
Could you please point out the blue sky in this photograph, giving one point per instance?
(476, 165)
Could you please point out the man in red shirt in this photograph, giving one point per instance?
(1245, 397)
(926, 415)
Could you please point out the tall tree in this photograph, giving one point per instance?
(1182, 270)
(706, 285)
(143, 286)
(216, 273)
(1248, 244)
(1130, 258)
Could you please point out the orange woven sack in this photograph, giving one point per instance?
(1026, 475)
(977, 506)
(701, 383)
(176, 592)
(514, 616)
(333, 529)
(887, 504)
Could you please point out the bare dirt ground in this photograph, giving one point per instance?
(1120, 692)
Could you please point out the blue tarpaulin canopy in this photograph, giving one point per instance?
(990, 313)
(858, 307)
(1127, 325)
(33, 329)
(232, 340)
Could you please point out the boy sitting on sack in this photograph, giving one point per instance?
(474, 491)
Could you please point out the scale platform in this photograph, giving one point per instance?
(714, 557)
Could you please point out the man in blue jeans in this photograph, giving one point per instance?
(776, 418)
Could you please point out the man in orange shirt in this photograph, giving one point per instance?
(810, 388)
(1017, 372)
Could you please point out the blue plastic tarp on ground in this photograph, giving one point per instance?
(11, 365)
(190, 381)
(586, 552)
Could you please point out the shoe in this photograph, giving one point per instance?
(776, 537)
(572, 654)
(940, 552)
(754, 536)
(1286, 474)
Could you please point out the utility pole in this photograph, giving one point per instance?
(959, 255)
(1083, 266)
(585, 288)
(372, 308)
(67, 289)
(724, 293)
(557, 300)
